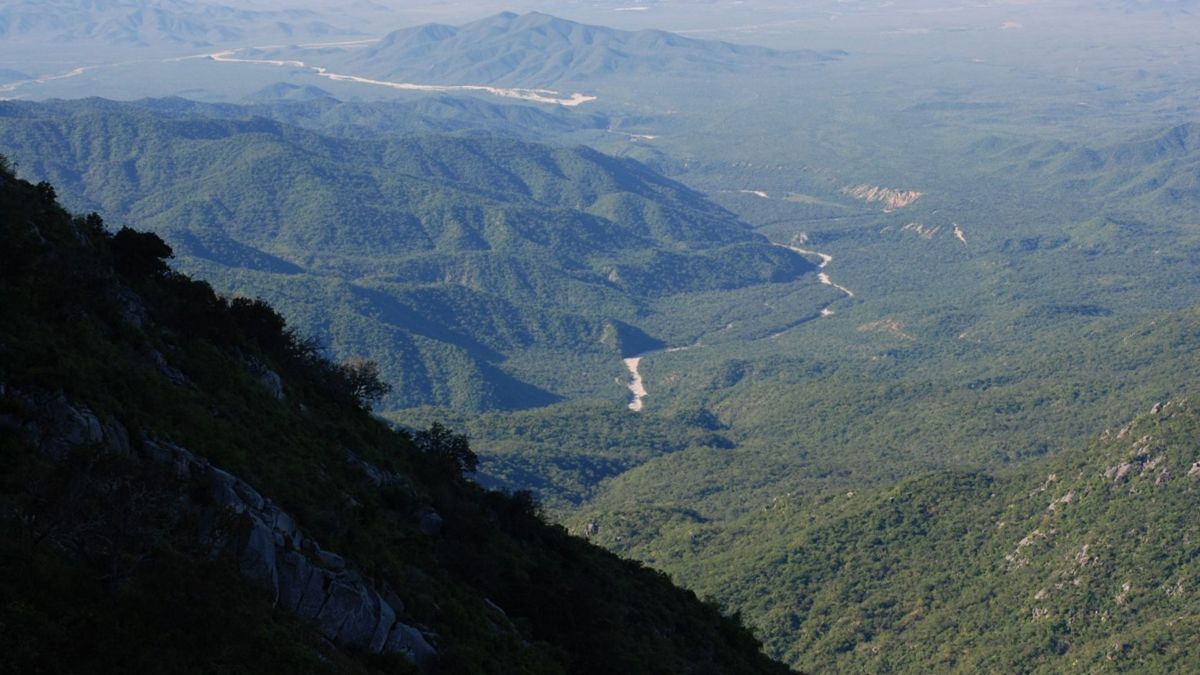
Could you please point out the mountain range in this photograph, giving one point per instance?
(144, 23)
(892, 357)
(540, 50)
(452, 258)
(1151, 170)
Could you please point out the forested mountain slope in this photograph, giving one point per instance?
(444, 257)
(173, 459)
(1151, 171)
(1084, 561)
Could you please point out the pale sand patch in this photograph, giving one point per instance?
(636, 386)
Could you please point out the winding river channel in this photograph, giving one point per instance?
(637, 385)
(533, 95)
(548, 96)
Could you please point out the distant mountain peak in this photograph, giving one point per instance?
(540, 50)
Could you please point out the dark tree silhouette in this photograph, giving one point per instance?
(138, 255)
(438, 440)
(362, 381)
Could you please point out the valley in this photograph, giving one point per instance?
(875, 326)
(823, 277)
(534, 95)
(230, 56)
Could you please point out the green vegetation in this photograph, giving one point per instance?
(1041, 289)
(1079, 562)
(477, 281)
(96, 572)
(439, 257)
(566, 451)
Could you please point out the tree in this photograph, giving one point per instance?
(361, 378)
(138, 255)
(440, 441)
(46, 193)
(261, 323)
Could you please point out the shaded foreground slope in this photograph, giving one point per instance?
(123, 388)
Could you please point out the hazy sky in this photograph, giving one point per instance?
(782, 22)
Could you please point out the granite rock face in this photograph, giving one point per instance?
(236, 521)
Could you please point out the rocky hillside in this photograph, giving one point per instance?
(191, 486)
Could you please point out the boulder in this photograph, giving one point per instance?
(248, 495)
(362, 621)
(237, 521)
(409, 641)
(345, 602)
(314, 596)
(374, 475)
(223, 493)
(430, 522)
(294, 574)
(390, 597)
(383, 627)
(116, 439)
(62, 427)
(164, 452)
(173, 374)
(332, 561)
(285, 525)
(256, 556)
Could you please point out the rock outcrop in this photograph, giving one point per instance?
(891, 198)
(267, 378)
(237, 522)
